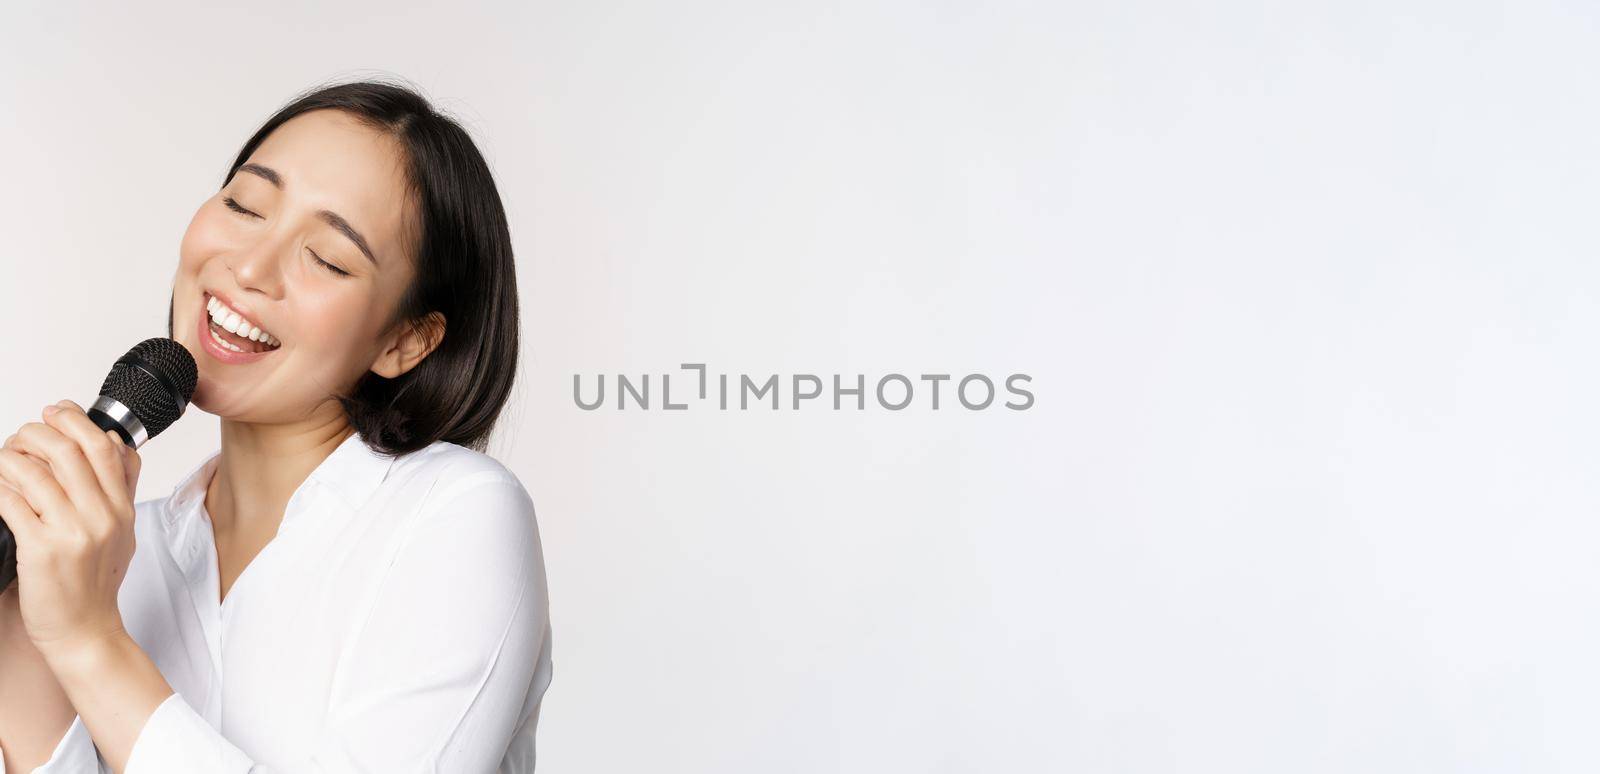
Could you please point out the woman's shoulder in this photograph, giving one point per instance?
(463, 502)
(450, 465)
(446, 473)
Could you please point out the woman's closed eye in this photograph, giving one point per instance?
(233, 205)
(329, 266)
(236, 207)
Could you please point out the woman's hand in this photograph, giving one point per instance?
(66, 492)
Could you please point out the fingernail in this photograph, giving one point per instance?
(51, 409)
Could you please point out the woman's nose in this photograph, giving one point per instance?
(259, 267)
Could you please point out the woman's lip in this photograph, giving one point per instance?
(219, 352)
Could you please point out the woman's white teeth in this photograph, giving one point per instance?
(223, 342)
(232, 322)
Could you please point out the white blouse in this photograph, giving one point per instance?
(398, 622)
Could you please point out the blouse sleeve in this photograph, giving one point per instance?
(437, 678)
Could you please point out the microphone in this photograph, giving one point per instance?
(146, 391)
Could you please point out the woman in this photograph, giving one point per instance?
(349, 584)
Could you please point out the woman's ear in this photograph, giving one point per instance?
(409, 344)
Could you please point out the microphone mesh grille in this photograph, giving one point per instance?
(151, 401)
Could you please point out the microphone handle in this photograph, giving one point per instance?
(8, 557)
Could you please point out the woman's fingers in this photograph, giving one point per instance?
(17, 514)
(36, 483)
(132, 464)
(102, 448)
(69, 469)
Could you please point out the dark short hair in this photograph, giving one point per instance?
(464, 271)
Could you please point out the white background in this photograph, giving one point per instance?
(1308, 293)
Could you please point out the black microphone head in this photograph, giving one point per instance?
(155, 381)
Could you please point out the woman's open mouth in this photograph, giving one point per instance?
(228, 337)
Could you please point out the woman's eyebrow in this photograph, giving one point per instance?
(328, 216)
(264, 173)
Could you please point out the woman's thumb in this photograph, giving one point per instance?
(130, 468)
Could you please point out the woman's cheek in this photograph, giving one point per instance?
(201, 239)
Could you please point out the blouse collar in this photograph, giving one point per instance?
(353, 472)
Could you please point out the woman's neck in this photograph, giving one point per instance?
(261, 466)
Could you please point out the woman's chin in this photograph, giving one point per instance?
(202, 397)
(214, 398)
(236, 405)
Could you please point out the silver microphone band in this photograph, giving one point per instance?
(123, 415)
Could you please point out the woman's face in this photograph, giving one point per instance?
(310, 243)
